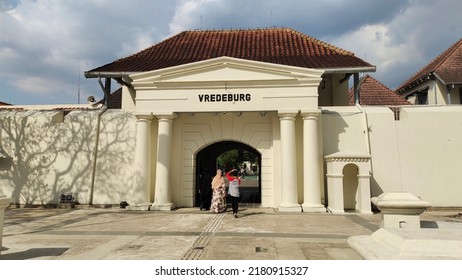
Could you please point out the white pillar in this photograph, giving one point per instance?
(162, 194)
(335, 193)
(311, 164)
(141, 199)
(4, 203)
(289, 196)
(364, 188)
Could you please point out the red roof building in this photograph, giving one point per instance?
(273, 45)
(439, 82)
(279, 46)
(374, 93)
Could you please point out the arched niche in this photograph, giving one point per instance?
(341, 185)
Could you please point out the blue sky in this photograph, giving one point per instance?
(46, 45)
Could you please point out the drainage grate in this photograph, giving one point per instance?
(199, 245)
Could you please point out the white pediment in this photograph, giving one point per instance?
(225, 70)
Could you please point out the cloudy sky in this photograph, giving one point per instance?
(46, 45)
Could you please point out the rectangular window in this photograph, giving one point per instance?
(422, 98)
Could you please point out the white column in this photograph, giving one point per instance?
(335, 203)
(289, 196)
(4, 203)
(162, 194)
(311, 164)
(141, 199)
(364, 185)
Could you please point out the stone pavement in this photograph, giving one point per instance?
(184, 234)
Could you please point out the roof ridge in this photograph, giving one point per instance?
(450, 51)
(379, 82)
(282, 28)
(445, 54)
(438, 61)
(278, 45)
(374, 92)
(325, 44)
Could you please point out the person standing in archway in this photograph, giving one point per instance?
(205, 189)
(234, 183)
(218, 204)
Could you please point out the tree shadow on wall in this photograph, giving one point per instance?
(114, 172)
(50, 158)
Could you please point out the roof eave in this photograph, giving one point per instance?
(349, 70)
(97, 74)
(416, 82)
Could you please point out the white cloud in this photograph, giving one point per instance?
(373, 43)
(185, 16)
(408, 41)
(47, 40)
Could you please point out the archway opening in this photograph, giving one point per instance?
(350, 187)
(227, 155)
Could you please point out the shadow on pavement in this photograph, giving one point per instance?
(33, 253)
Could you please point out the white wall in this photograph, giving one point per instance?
(47, 158)
(114, 165)
(420, 153)
(343, 130)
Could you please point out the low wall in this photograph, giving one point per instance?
(46, 153)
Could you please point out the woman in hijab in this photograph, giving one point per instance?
(219, 193)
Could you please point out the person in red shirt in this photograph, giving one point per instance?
(234, 183)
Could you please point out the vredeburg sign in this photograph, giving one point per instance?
(224, 97)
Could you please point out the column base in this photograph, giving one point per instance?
(335, 211)
(162, 207)
(139, 207)
(295, 208)
(313, 208)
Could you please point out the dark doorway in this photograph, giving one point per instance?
(227, 155)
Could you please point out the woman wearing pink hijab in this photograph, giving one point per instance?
(219, 193)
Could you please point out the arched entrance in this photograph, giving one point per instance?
(228, 155)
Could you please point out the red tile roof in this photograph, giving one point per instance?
(273, 45)
(447, 66)
(373, 92)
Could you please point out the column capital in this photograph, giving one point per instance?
(166, 116)
(310, 114)
(144, 116)
(288, 114)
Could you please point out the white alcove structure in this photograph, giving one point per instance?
(348, 182)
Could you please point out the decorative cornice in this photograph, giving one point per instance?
(339, 157)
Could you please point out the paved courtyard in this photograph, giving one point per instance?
(186, 234)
